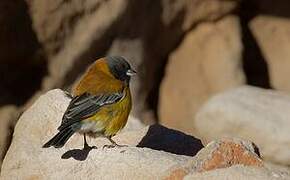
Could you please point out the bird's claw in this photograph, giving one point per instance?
(114, 145)
(86, 146)
(108, 146)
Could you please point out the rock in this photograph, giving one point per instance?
(277, 168)
(176, 174)
(208, 61)
(250, 113)
(74, 34)
(27, 159)
(240, 172)
(218, 154)
(125, 163)
(226, 153)
(273, 41)
(133, 124)
(8, 117)
(229, 158)
(195, 11)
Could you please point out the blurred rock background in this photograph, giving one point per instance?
(185, 51)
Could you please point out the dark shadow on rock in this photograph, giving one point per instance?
(254, 62)
(256, 149)
(161, 138)
(78, 154)
(23, 59)
(272, 8)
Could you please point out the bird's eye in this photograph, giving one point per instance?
(130, 72)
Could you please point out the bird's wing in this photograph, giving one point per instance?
(85, 106)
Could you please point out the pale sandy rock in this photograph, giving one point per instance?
(195, 11)
(8, 116)
(277, 167)
(260, 115)
(26, 159)
(124, 163)
(272, 35)
(208, 61)
(133, 124)
(240, 172)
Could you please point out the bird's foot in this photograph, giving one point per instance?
(114, 145)
(86, 146)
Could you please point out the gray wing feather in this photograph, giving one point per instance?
(86, 105)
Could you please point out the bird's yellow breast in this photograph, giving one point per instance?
(112, 118)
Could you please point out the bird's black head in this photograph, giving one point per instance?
(120, 68)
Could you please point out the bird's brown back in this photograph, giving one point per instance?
(104, 82)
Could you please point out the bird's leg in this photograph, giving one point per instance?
(114, 144)
(85, 142)
(86, 145)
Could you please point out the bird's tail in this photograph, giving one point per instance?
(60, 138)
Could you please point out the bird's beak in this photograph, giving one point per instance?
(131, 72)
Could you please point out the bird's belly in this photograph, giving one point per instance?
(109, 119)
(91, 126)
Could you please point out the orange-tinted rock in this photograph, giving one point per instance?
(227, 152)
(177, 174)
(223, 153)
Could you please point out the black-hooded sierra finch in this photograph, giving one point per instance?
(101, 102)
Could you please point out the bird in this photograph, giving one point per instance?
(100, 102)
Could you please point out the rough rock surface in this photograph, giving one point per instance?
(26, 159)
(240, 172)
(8, 116)
(208, 61)
(154, 152)
(260, 115)
(273, 39)
(223, 153)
